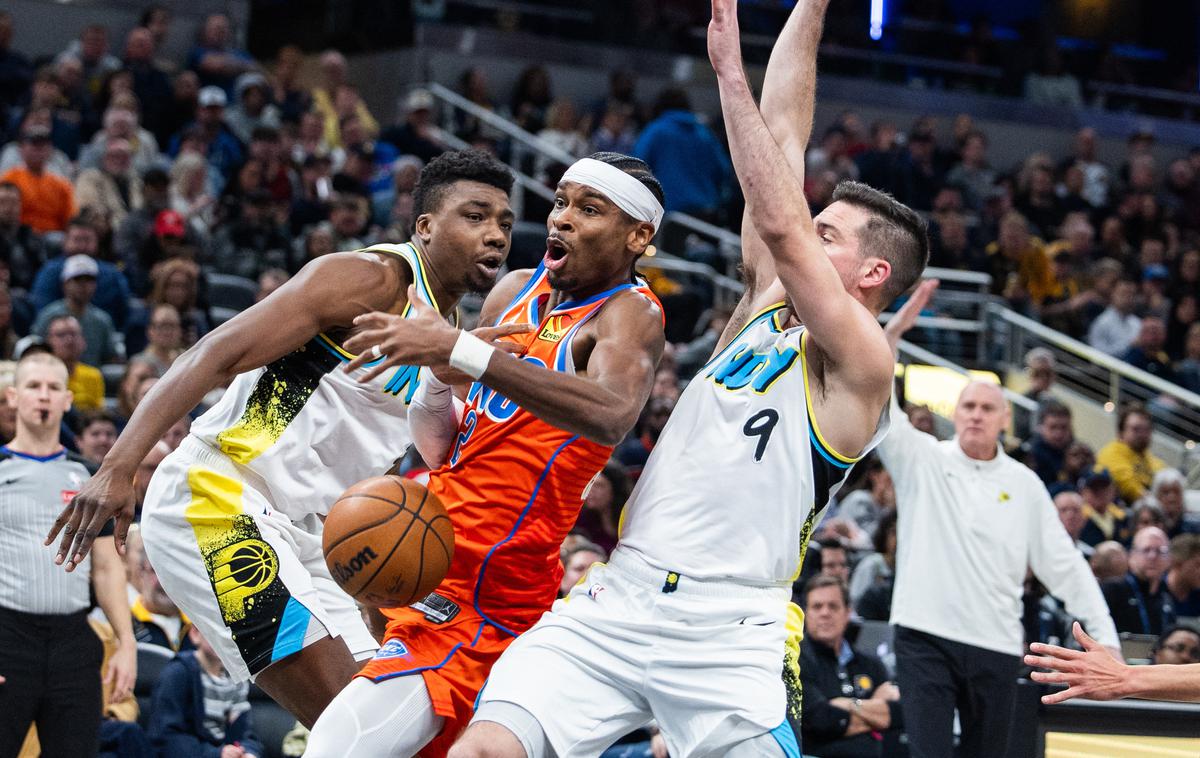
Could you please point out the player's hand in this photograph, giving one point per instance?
(1091, 673)
(122, 671)
(658, 746)
(906, 317)
(232, 751)
(724, 39)
(107, 495)
(422, 339)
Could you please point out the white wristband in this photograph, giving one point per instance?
(471, 355)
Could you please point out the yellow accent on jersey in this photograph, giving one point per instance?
(812, 416)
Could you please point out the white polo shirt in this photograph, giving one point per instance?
(966, 532)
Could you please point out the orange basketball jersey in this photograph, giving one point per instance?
(513, 487)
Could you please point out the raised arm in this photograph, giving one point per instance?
(328, 292)
(844, 329)
(601, 406)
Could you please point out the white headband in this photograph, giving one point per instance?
(626, 192)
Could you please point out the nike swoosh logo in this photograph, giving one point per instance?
(756, 623)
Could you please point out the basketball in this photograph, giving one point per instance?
(388, 541)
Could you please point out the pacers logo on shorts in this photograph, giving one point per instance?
(240, 571)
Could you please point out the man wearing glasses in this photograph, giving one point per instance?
(1137, 601)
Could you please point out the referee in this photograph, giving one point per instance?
(49, 656)
(971, 520)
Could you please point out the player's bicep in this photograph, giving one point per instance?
(625, 357)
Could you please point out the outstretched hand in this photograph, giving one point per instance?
(1093, 672)
(906, 317)
(724, 38)
(107, 495)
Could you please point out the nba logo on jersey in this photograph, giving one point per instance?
(556, 327)
(392, 649)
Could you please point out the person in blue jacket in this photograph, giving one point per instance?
(688, 159)
(199, 710)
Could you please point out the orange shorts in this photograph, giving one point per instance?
(454, 658)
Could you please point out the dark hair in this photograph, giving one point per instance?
(83, 221)
(635, 167)
(671, 99)
(894, 232)
(827, 580)
(1133, 409)
(457, 166)
(830, 542)
(1166, 634)
(1052, 407)
(96, 416)
(148, 14)
(887, 522)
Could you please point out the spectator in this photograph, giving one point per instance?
(616, 132)
(951, 245)
(562, 131)
(43, 113)
(848, 699)
(148, 465)
(1188, 369)
(921, 176)
(8, 335)
(292, 99)
(1046, 451)
(86, 383)
(1155, 277)
(1117, 327)
(319, 241)
(1037, 200)
(112, 289)
(1183, 579)
(972, 174)
(1070, 505)
(1128, 458)
(79, 285)
(1096, 174)
(1147, 351)
(1166, 490)
(333, 101)
(210, 136)
(1136, 601)
(876, 573)
(252, 107)
(91, 51)
(414, 132)
(1017, 264)
(833, 154)
(122, 123)
(1147, 514)
(182, 108)
(531, 97)
(1109, 561)
(164, 335)
(866, 506)
(49, 655)
(199, 709)
(176, 282)
(1106, 519)
(136, 230)
(150, 81)
(686, 157)
(190, 194)
(47, 200)
(1051, 84)
(254, 241)
(97, 435)
(113, 187)
(347, 219)
(1176, 645)
(961, 644)
(20, 247)
(1185, 311)
(835, 560)
(214, 58)
(16, 73)
(576, 561)
(633, 452)
(602, 505)
(269, 281)
(156, 618)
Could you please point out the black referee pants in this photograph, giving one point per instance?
(52, 668)
(937, 675)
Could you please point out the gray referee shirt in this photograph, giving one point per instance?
(33, 491)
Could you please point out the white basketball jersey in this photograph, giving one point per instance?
(306, 428)
(741, 473)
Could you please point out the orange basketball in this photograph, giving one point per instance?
(388, 541)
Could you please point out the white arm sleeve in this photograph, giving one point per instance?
(433, 419)
(1059, 565)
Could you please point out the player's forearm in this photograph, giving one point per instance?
(433, 420)
(571, 403)
(790, 86)
(1164, 682)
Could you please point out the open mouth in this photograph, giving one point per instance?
(556, 253)
(490, 265)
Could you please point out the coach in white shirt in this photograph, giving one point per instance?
(971, 520)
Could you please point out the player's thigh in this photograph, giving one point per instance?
(233, 569)
(580, 690)
(780, 743)
(389, 719)
(343, 614)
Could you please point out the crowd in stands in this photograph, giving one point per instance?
(130, 183)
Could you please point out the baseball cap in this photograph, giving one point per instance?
(1097, 479)
(79, 265)
(169, 223)
(211, 95)
(418, 100)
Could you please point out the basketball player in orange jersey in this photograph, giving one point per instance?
(232, 518)
(536, 430)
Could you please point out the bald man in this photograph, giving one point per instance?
(970, 519)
